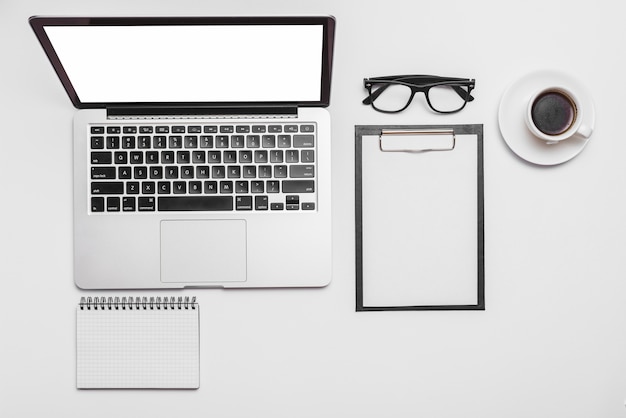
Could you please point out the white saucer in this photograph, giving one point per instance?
(513, 126)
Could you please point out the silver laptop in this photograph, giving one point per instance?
(201, 149)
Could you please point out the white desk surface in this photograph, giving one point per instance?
(552, 341)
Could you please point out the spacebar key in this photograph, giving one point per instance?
(195, 203)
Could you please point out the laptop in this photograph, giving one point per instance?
(201, 149)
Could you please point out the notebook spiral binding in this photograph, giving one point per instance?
(137, 303)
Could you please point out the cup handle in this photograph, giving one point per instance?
(584, 131)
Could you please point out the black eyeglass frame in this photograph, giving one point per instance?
(417, 84)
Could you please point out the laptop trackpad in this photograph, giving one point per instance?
(203, 251)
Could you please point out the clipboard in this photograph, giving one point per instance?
(419, 200)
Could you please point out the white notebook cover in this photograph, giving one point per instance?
(142, 344)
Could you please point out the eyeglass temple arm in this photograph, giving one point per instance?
(464, 95)
(370, 98)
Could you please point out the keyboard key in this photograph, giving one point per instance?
(171, 172)
(195, 203)
(221, 141)
(202, 172)
(113, 130)
(167, 157)
(226, 186)
(145, 141)
(136, 157)
(292, 156)
(97, 204)
(129, 129)
(245, 157)
(303, 141)
(244, 202)
(260, 203)
(237, 141)
(284, 141)
(124, 173)
(214, 157)
(183, 157)
(164, 187)
(275, 128)
(156, 172)
(132, 187)
(146, 204)
(280, 171)
(97, 130)
(107, 187)
(195, 187)
(113, 204)
(160, 142)
(260, 157)
(186, 172)
(180, 187)
(128, 204)
(227, 129)
(291, 128)
(268, 141)
(242, 129)
(276, 156)
(210, 129)
(121, 157)
(253, 141)
(97, 142)
(230, 156)
(176, 141)
(152, 157)
(298, 186)
(259, 129)
(273, 186)
(206, 141)
(307, 128)
(241, 187)
(308, 156)
(191, 141)
(104, 173)
(178, 129)
(277, 206)
(146, 129)
(148, 187)
(218, 172)
(140, 172)
(257, 187)
(128, 142)
(198, 157)
(194, 129)
(113, 142)
(163, 129)
(210, 187)
(302, 171)
(308, 206)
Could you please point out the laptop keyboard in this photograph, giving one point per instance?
(202, 167)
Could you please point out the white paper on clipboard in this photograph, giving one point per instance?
(421, 241)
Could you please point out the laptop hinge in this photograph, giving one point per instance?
(209, 112)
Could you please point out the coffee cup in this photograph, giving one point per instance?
(555, 114)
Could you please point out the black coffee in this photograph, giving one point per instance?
(553, 113)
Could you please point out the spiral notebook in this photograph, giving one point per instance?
(136, 343)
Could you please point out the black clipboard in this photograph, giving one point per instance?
(419, 200)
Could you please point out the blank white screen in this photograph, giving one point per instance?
(189, 63)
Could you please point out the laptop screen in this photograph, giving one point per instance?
(169, 61)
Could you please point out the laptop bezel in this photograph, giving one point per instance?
(39, 23)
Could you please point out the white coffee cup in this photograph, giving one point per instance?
(555, 114)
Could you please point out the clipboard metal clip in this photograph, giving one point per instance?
(429, 140)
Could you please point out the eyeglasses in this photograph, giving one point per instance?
(393, 94)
